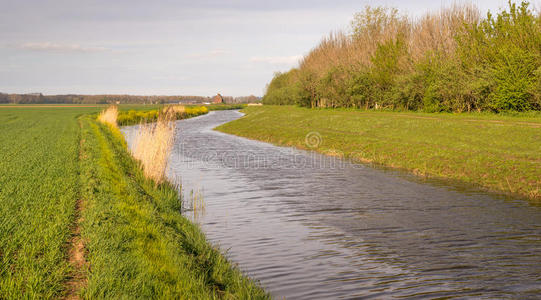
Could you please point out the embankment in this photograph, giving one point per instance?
(79, 218)
(139, 245)
(493, 152)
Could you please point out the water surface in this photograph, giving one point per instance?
(314, 227)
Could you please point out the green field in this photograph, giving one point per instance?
(62, 173)
(39, 186)
(500, 153)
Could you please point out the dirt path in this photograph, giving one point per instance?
(76, 254)
(77, 260)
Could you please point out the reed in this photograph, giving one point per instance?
(109, 116)
(173, 112)
(153, 142)
(152, 147)
(174, 109)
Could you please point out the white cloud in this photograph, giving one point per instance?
(218, 52)
(170, 78)
(277, 60)
(55, 47)
(210, 54)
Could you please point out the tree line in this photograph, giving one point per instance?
(38, 98)
(451, 60)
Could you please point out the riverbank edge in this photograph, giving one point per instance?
(277, 135)
(137, 243)
(145, 115)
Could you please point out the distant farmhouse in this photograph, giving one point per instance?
(218, 99)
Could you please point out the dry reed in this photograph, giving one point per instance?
(152, 147)
(174, 109)
(109, 116)
(173, 112)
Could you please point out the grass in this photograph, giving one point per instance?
(495, 153)
(60, 168)
(139, 244)
(39, 186)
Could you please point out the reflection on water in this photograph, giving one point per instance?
(309, 226)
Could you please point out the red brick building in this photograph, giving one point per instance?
(218, 99)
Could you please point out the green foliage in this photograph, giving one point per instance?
(488, 64)
(135, 117)
(360, 88)
(132, 117)
(501, 55)
(331, 89)
(284, 89)
(514, 79)
(224, 106)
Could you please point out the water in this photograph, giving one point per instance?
(314, 227)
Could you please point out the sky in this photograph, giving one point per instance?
(166, 47)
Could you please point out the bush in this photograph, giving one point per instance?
(284, 89)
(514, 76)
(452, 60)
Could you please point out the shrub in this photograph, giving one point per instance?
(451, 60)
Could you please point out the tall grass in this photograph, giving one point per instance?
(155, 137)
(109, 115)
(152, 147)
(451, 60)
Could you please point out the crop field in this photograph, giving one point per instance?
(39, 186)
(62, 175)
(499, 153)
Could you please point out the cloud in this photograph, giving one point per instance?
(55, 47)
(218, 52)
(277, 60)
(170, 78)
(210, 54)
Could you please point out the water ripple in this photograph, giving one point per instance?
(311, 227)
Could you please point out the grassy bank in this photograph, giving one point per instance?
(61, 170)
(496, 153)
(139, 244)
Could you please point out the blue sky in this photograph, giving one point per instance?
(168, 47)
